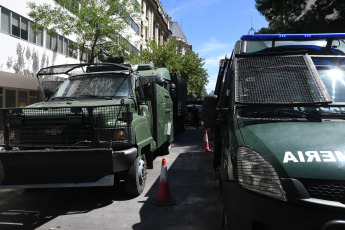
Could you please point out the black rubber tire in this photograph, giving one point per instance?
(166, 149)
(135, 178)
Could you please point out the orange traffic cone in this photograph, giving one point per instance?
(163, 196)
(206, 146)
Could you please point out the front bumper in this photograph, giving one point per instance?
(56, 168)
(123, 159)
(247, 210)
(51, 168)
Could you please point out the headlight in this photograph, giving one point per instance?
(120, 134)
(256, 174)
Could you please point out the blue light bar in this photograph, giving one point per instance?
(292, 36)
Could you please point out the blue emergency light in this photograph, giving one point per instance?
(292, 36)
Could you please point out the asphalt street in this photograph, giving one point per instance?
(191, 184)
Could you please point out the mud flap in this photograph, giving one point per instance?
(56, 168)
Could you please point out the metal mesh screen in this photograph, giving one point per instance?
(278, 79)
(64, 69)
(65, 127)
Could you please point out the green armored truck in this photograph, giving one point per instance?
(177, 87)
(101, 125)
(278, 119)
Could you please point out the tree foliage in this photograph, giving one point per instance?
(280, 13)
(290, 16)
(96, 25)
(325, 16)
(188, 66)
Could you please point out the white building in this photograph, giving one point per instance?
(154, 22)
(179, 36)
(23, 53)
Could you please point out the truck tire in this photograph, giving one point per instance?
(166, 149)
(135, 178)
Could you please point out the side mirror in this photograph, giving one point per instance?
(209, 113)
(173, 90)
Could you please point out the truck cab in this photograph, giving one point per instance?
(100, 125)
(277, 117)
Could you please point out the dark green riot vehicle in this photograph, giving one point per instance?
(278, 119)
(177, 88)
(101, 125)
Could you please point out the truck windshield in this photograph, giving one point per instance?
(336, 46)
(334, 81)
(100, 86)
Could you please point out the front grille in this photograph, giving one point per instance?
(69, 127)
(325, 189)
(278, 79)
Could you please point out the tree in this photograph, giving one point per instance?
(188, 66)
(324, 16)
(95, 24)
(281, 14)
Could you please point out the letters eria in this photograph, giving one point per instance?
(313, 156)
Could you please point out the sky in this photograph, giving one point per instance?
(212, 27)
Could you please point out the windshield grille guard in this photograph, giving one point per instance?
(67, 68)
(281, 79)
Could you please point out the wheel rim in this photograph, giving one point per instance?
(141, 171)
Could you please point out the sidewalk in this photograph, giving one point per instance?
(192, 185)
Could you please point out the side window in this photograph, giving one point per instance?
(5, 20)
(24, 29)
(15, 25)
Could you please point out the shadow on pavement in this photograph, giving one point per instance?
(29, 209)
(192, 184)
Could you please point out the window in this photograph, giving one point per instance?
(12, 23)
(33, 97)
(36, 38)
(15, 25)
(5, 20)
(11, 98)
(54, 43)
(48, 41)
(60, 44)
(147, 12)
(32, 35)
(24, 33)
(22, 98)
(39, 38)
(65, 46)
(133, 25)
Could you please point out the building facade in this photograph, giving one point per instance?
(24, 53)
(154, 23)
(178, 35)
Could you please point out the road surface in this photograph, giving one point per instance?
(191, 184)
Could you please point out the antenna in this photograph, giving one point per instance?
(251, 27)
